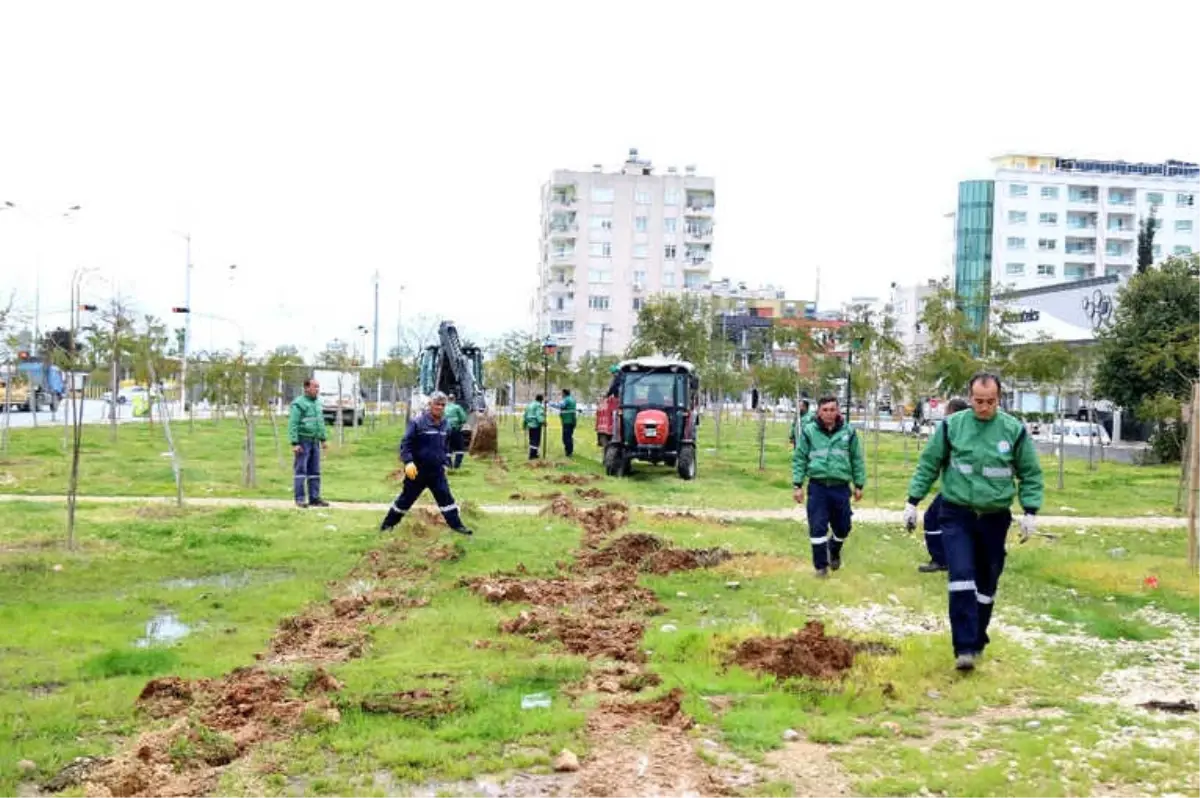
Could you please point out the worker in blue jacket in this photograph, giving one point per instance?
(425, 452)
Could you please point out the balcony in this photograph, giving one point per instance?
(1119, 257)
(564, 230)
(562, 257)
(1083, 197)
(698, 210)
(697, 264)
(1124, 231)
(562, 199)
(1124, 199)
(694, 232)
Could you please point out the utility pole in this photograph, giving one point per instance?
(187, 325)
(375, 351)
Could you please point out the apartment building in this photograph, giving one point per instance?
(907, 307)
(610, 240)
(1046, 219)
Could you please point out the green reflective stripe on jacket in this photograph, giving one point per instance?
(567, 413)
(535, 415)
(306, 420)
(455, 415)
(835, 456)
(986, 465)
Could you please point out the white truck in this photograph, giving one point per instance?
(342, 393)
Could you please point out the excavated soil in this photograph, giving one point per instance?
(590, 493)
(807, 652)
(608, 594)
(484, 438)
(413, 704)
(653, 555)
(615, 638)
(540, 465)
(572, 479)
(665, 711)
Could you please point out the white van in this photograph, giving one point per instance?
(345, 398)
(1074, 433)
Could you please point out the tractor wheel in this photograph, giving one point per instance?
(614, 460)
(687, 462)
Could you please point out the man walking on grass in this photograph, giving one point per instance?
(830, 455)
(534, 420)
(933, 528)
(456, 416)
(306, 432)
(566, 414)
(424, 452)
(985, 460)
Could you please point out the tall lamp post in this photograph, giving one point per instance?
(548, 350)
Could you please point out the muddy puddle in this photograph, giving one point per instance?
(227, 581)
(163, 629)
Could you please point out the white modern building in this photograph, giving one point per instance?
(612, 239)
(907, 306)
(1057, 219)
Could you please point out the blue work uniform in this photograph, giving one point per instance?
(426, 444)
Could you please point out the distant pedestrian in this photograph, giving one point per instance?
(534, 420)
(804, 415)
(931, 523)
(424, 452)
(456, 416)
(566, 414)
(306, 432)
(985, 459)
(830, 455)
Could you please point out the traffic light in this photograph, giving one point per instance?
(181, 309)
(88, 308)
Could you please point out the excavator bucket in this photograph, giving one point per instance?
(484, 436)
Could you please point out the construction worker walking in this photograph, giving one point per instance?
(534, 420)
(425, 450)
(931, 522)
(829, 455)
(306, 433)
(456, 417)
(566, 414)
(985, 459)
(803, 416)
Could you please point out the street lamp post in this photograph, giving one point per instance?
(548, 350)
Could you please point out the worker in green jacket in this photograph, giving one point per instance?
(534, 420)
(829, 454)
(456, 417)
(306, 432)
(804, 416)
(985, 460)
(567, 415)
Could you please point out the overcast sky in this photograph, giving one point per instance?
(313, 144)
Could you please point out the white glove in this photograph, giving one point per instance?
(910, 517)
(1028, 526)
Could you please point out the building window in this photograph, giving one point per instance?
(1018, 190)
(600, 222)
(1183, 225)
(1049, 192)
(1016, 243)
(639, 250)
(1014, 269)
(598, 302)
(1047, 244)
(1075, 271)
(602, 194)
(642, 197)
(1017, 217)
(599, 276)
(668, 279)
(1117, 196)
(1183, 249)
(1154, 198)
(560, 326)
(600, 249)
(1113, 248)
(1185, 200)
(669, 252)
(1157, 251)
(670, 224)
(1046, 270)
(639, 279)
(671, 197)
(638, 302)
(1048, 219)
(694, 281)
(640, 223)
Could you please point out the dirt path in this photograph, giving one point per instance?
(866, 515)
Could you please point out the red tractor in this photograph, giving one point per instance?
(651, 415)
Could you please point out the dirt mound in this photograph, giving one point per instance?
(560, 507)
(413, 704)
(484, 438)
(616, 678)
(668, 560)
(807, 652)
(540, 465)
(394, 561)
(604, 596)
(251, 697)
(615, 638)
(320, 635)
(665, 711)
(322, 682)
(163, 697)
(601, 521)
(572, 479)
(629, 549)
(590, 493)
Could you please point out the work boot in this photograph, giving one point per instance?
(835, 562)
(821, 573)
(930, 567)
(302, 505)
(965, 662)
(318, 503)
(462, 530)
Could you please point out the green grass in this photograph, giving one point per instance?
(70, 670)
(357, 470)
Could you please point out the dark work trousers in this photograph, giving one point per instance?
(306, 471)
(457, 447)
(433, 478)
(933, 532)
(535, 442)
(828, 507)
(974, 546)
(569, 439)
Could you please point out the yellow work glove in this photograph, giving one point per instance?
(410, 470)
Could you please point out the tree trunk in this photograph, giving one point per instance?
(115, 388)
(175, 467)
(7, 408)
(275, 435)
(875, 456)
(341, 433)
(1062, 440)
(762, 440)
(73, 478)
